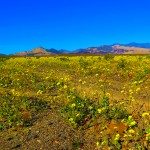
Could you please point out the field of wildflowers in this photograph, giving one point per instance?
(104, 96)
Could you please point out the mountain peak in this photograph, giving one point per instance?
(38, 49)
(130, 48)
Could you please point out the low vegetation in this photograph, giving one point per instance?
(104, 96)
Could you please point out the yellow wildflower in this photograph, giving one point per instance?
(77, 115)
(47, 78)
(13, 91)
(131, 131)
(100, 80)
(138, 89)
(58, 83)
(83, 82)
(132, 123)
(121, 103)
(96, 75)
(122, 91)
(65, 86)
(115, 128)
(90, 107)
(130, 117)
(80, 80)
(104, 108)
(110, 105)
(101, 85)
(125, 135)
(99, 110)
(117, 137)
(107, 94)
(145, 114)
(148, 136)
(73, 105)
(71, 119)
(135, 82)
(39, 92)
(97, 143)
(140, 81)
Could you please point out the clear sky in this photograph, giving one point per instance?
(71, 24)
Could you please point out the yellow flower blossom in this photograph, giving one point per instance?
(97, 143)
(132, 98)
(132, 123)
(80, 80)
(77, 115)
(121, 103)
(110, 105)
(115, 128)
(90, 107)
(47, 78)
(122, 91)
(148, 137)
(130, 117)
(104, 108)
(140, 81)
(39, 92)
(125, 135)
(71, 119)
(96, 75)
(107, 94)
(65, 86)
(138, 89)
(117, 137)
(100, 80)
(99, 110)
(101, 85)
(145, 114)
(83, 82)
(131, 131)
(73, 105)
(135, 82)
(13, 91)
(58, 83)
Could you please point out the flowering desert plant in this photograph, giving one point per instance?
(104, 96)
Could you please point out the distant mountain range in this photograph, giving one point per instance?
(2, 54)
(131, 48)
(140, 45)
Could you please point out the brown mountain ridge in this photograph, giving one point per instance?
(131, 48)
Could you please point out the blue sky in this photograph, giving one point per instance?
(71, 24)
